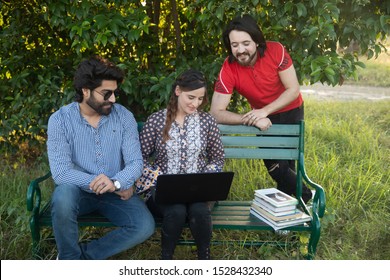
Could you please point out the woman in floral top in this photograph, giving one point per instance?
(182, 139)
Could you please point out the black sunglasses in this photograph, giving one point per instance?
(107, 93)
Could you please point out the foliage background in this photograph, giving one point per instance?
(42, 41)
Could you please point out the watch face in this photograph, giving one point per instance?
(117, 185)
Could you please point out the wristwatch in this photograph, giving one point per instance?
(117, 185)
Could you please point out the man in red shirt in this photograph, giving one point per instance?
(263, 72)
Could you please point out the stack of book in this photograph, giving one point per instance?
(277, 209)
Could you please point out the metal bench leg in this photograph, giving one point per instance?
(314, 238)
(36, 238)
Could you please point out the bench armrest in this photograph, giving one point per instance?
(318, 205)
(319, 202)
(34, 196)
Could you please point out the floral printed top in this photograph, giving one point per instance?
(196, 147)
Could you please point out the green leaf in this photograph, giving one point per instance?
(305, 32)
(360, 64)
(114, 28)
(154, 79)
(220, 12)
(385, 22)
(101, 21)
(103, 40)
(322, 60)
(75, 43)
(331, 78)
(154, 88)
(370, 54)
(301, 10)
(86, 24)
(288, 7)
(316, 72)
(336, 60)
(313, 30)
(329, 71)
(355, 75)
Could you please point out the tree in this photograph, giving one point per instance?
(152, 40)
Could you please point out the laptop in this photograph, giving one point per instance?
(193, 187)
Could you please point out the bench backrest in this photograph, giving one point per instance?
(247, 142)
(280, 141)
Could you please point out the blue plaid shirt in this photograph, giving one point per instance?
(79, 152)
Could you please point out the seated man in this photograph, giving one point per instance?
(95, 157)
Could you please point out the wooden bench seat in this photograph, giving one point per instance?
(240, 142)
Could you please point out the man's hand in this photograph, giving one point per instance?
(102, 184)
(126, 194)
(257, 118)
(263, 124)
(253, 116)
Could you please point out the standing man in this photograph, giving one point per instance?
(95, 157)
(263, 72)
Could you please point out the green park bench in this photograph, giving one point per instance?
(240, 142)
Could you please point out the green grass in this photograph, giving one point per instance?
(347, 152)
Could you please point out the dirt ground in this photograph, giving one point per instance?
(345, 92)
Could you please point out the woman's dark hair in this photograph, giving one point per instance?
(187, 81)
(247, 24)
(92, 72)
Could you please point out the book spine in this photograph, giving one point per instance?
(276, 210)
(271, 215)
(254, 213)
(285, 223)
(292, 201)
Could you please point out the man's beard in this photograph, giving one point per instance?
(247, 62)
(99, 107)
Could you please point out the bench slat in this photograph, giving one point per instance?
(230, 208)
(230, 212)
(231, 217)
(233, 202)
(262, 142)
(241, 153)
(240, 225)
(278, 129)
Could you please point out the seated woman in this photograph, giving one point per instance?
(183, 139)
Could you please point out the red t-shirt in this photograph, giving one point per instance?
(259, 84)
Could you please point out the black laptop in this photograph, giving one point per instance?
(193, 187)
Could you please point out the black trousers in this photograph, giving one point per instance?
(175, 216)
(284, 171)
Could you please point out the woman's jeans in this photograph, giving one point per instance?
(174, 216)
(134, 221)
(283, 171)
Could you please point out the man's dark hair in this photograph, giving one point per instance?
(247, 24)
(92, 72)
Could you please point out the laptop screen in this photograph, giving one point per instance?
(193, 187)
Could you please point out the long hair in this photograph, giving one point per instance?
(187, 81)
(247, 24)
(92, 72)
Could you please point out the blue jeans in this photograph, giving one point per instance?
(133, 219)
